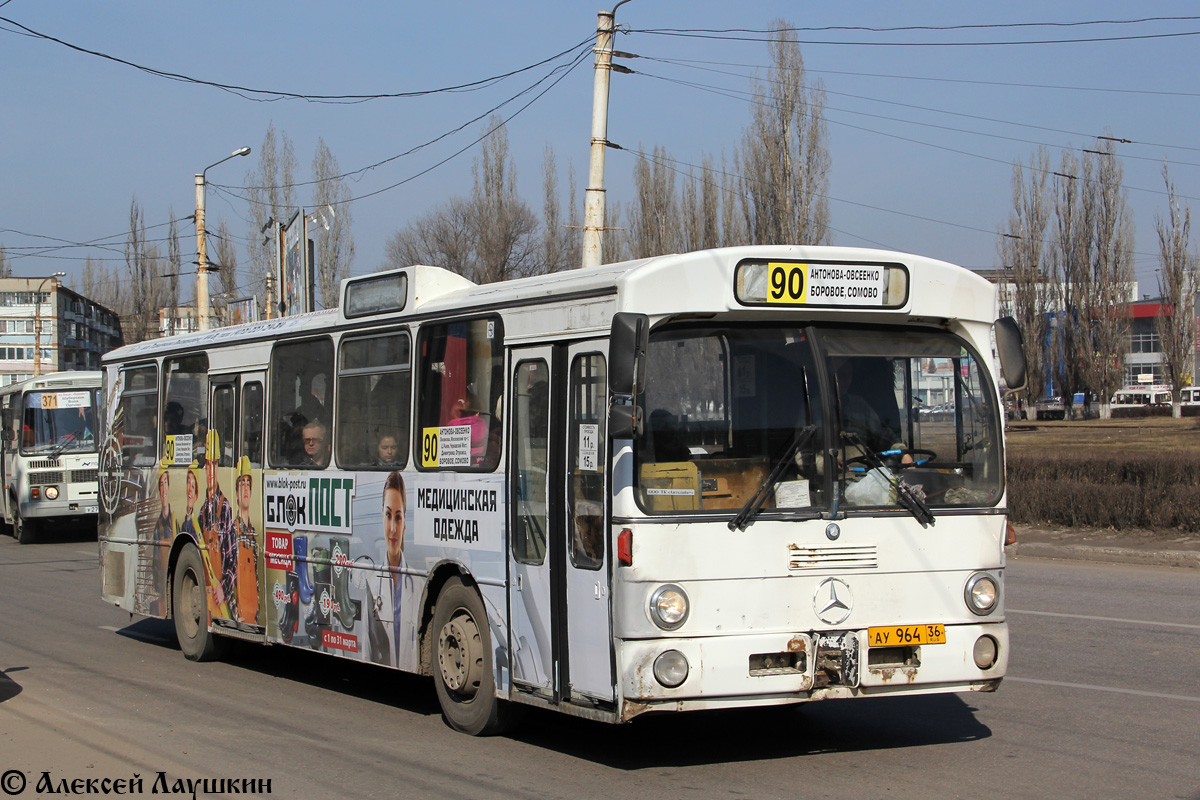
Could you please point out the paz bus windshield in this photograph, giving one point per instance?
(722, 407)
(59, 422)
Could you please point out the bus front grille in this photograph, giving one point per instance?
(802, 558)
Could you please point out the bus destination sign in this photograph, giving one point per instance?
(826, 284)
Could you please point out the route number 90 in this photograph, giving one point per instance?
(787, 283)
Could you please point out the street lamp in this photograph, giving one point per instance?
(201, 245)
(37, 323)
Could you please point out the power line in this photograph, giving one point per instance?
(266, 95)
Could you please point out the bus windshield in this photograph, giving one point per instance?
(59, 422)
(722, 407)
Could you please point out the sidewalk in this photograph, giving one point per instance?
(1151, 548)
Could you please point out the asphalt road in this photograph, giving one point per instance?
(1102, 699)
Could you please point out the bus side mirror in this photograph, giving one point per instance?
(628, 340)
(8, 435)
(1010, 346)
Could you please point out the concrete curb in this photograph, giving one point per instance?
(1109, 555)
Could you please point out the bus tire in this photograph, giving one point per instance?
(23, 530)
(189, 605)
(463, 669)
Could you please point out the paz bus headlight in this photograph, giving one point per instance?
(981, 593)
(51, 492)
(669, 607)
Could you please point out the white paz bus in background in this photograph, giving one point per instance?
(49, 444)
(687, 482)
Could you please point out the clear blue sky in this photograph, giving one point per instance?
(922, 134)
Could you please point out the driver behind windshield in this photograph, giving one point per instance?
(867, 399)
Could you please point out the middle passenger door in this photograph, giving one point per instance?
(558, 556)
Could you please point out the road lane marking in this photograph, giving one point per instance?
(1106, 619)
(1089, 686)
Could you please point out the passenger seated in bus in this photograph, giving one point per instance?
(385, 451)
(667, 437)
(316, 445)
(173, 419)
(465, 411)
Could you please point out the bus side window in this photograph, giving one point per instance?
(299, 396)
(589, 406)
(252, 423)
(374, 382)
(460, 384)
(185, 412)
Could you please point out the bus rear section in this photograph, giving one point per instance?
(50, 456)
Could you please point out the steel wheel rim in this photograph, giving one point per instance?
(192, 597)
(460, 654)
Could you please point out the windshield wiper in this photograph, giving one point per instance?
(68, 439)
(754, 504)
(905, 494)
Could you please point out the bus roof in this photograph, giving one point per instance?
(679, 283)
(56, 380)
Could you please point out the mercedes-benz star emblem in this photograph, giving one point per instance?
(833, 601)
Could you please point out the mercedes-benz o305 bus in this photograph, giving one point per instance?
(49, 444)
(694, 481)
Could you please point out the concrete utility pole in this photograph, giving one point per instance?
(593, 212)
(201, 245)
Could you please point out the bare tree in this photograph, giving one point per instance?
(1071, 264)
(138, 305)
(555, 237)
(490, 236)
(784, 153)
(334, 245)
(1177, 286)
(226, 252)
(444, 238)
(574, 238)
(655, 227)
(1108, 290)
(174, 269)
(271, 191)
(96, 284)
(1022, 250)
(734, 230)
(506, 245)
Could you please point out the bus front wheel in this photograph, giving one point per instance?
(191, 609)
(463, 669)
(23, 530)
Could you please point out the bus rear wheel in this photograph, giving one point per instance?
(23, 530)
(190, 609)
(463, 669)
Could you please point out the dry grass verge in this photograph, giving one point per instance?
(1119, 474)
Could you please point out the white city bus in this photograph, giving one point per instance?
(49, 444)
(688, 482)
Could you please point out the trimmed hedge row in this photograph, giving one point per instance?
(1110, 491)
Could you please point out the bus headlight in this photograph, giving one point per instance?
(51, 492)
(671, 668)
(981, 593)
(669, 607)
